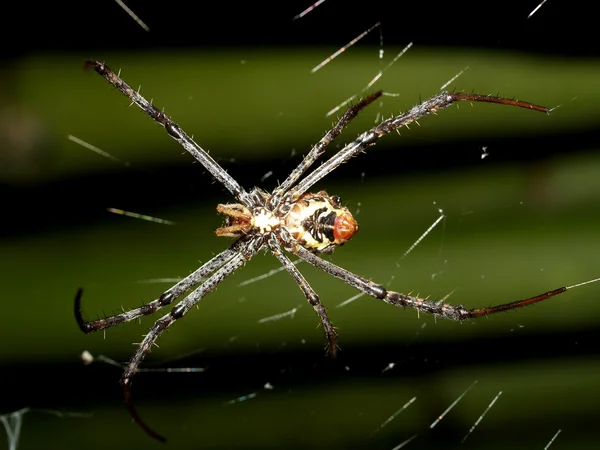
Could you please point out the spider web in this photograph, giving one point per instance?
(529, 375)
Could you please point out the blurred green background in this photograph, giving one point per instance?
(520, 191)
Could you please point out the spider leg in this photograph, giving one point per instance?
(178, 311)
(173, 130)
(311, 296)
(439, 308)
(165, 299)
(368, 138)
(321, 146)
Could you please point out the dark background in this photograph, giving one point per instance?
(557, 28)
(522, 221)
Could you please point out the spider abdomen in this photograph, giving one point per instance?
(319, 223)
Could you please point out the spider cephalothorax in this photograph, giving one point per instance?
(290, 219)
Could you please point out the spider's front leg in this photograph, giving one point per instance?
(321, 146)
(173, 130)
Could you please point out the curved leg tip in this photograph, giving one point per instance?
(135, 416)
(83, 326)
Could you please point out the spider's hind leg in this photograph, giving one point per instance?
(168, 297)
(162, 324)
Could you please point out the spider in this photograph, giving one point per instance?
(288, 220)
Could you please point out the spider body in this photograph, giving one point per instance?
(288, 220)
(318, 222)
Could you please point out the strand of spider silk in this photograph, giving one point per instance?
(133, 15)
(350, 300)
(140, 216)
(344, 48)
(340, 106)
(396, 414)
(481, 417)
(427, 231)
(371, 83)
(532, 13)
(390, 366)
(88, 358)
(445, 85)
(13, 422)
(390, 64)
(243, 398)
(61, 414)
(97, 150)
(279, 316)
(159, 280)
(410, 249)
(552, 440)
(582, 284)
(267, 275)
(402, 444)
(438, 420)
(307, 10)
